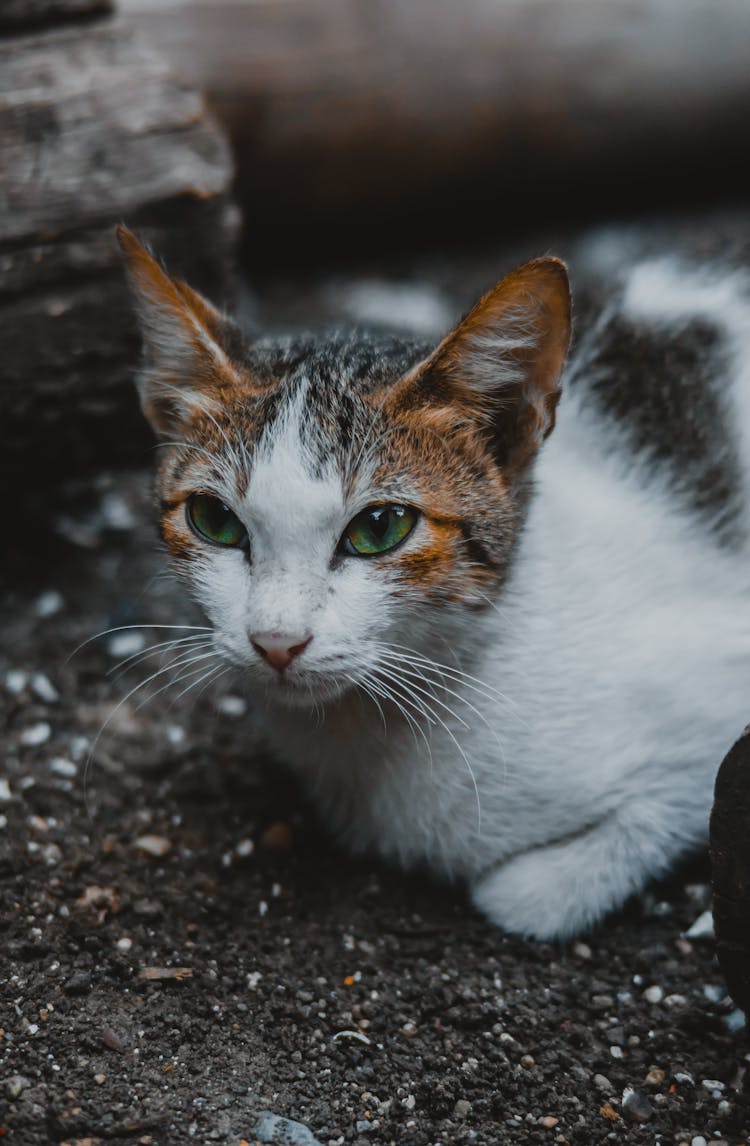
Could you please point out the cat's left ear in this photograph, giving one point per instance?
(186, 368)
(500, 368)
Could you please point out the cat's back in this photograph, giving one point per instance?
(660, 368)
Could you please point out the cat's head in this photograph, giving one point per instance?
(338, 504)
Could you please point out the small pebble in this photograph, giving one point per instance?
(15, 681)
(124, 944)
(154, 845)
(5, 792)
(673, 1001)
(359, 1037)
(734, 1021)
(602, 1002)
(115, 511)
(43, 688)
(635, 1106)
(462, 1109)
(582, 950)
(126, 644)
(601, 1082)
(278, 837)
(527, 1062)
(96, 896)
(78, 983)
(548, 1121)
(59, 766)
(232, 705)
(655, 1077)
(699, 1140)
(79, 747)
(653, 994)
(110, 1040)
(48, 603)
(244, 848)
(703, 928)
(15, 1084)
(616, 1052)
(99, 1079)
(36, 734)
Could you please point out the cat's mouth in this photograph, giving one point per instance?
(306, 690)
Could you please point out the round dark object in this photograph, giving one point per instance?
(730, 861)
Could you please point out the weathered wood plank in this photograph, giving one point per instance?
(93, 124)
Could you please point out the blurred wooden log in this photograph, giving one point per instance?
(24, 13)
(94, 129)
(377, 106)
(730, 859)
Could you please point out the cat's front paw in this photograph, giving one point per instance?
(538, 896)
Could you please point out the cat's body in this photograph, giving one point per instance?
(531, 691)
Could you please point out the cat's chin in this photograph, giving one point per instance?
(303, 693)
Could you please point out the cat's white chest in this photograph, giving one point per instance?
(620, 654)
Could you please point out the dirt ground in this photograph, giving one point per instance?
(182, 949)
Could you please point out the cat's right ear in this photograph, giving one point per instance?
(185, 368)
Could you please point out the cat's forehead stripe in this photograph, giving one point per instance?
(291, 487)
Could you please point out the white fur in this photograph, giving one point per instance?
(606, 683)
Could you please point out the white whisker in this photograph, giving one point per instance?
(130, 628)
(162, 647)
(439, 720)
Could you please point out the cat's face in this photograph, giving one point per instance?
(339, 504)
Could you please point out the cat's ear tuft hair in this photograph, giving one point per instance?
(185, 367)
(500, 367)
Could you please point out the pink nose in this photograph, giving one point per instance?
(279, 649)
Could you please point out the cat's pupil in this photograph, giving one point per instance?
(380, 520)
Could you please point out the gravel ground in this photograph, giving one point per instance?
(182, 948)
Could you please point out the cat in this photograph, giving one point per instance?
(510, 655)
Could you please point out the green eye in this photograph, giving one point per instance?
(215, 521)
(378, 529)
